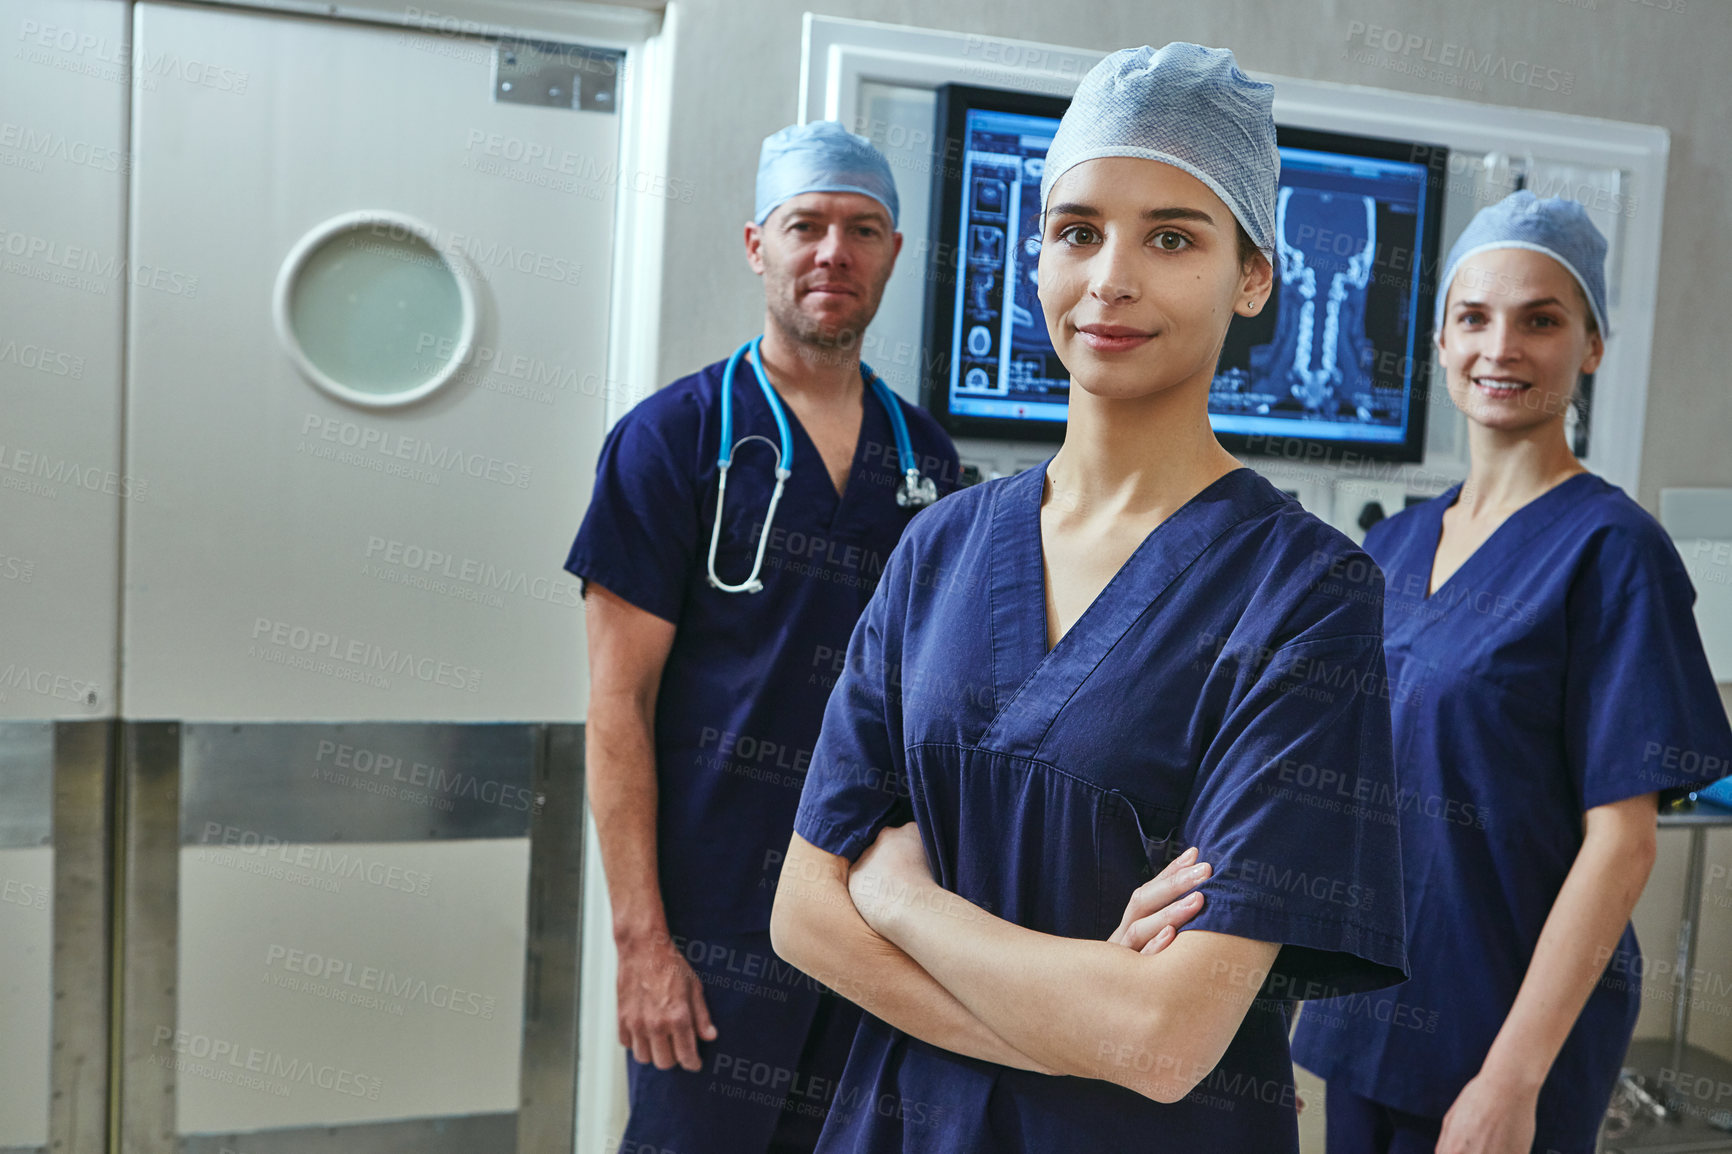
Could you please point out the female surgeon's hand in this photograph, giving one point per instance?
(891, 871)
(1161, 905)
(1489, 1117)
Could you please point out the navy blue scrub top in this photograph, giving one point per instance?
(743, 691)
(1200, 700)
(1558, 669)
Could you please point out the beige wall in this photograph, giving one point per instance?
(737, 79)
(737, 74)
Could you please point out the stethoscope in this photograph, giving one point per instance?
(914, 493)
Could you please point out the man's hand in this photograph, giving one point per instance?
(661, 1005)
(1161, 905)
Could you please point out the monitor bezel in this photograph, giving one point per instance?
(954, 101)
(1434, 159)
(951, 117)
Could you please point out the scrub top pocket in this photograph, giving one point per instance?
(1028, 841)
(1134, 841)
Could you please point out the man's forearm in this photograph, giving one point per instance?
(621, 782)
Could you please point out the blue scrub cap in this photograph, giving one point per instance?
(1556, 226)
(1187, 106)
(821, 157)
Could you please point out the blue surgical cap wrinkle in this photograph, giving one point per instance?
(1184, 105)
(1556, 226)
(821, 157)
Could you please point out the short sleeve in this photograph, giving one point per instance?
(857, 779)
(1296, 810)
(639, 538)
(1641, 711)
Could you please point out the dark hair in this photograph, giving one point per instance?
(1248, 250)
(1587, 308)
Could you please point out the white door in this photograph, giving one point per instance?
(302, 556)
(367, 347)
(62, 281)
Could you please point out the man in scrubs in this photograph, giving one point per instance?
(705, 703)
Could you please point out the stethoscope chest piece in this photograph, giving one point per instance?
(916, 492)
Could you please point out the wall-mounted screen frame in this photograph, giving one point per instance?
(1339, 361)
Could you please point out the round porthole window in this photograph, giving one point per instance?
(373, 313)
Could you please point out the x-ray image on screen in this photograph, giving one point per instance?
(1332, 354)
(1320, 352)
(1339, 357)
(1002, 362)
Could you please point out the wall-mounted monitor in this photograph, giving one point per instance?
(1339, 359)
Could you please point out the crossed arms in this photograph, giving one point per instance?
(1147, 1009)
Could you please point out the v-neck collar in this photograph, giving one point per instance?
(1515, 529)
(830, 505)
(807, 448)
(1030, 682)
